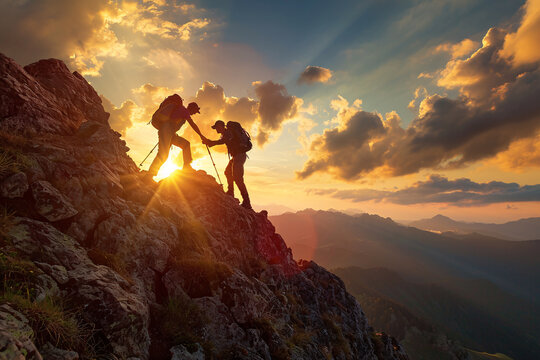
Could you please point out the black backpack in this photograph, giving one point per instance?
(163, 113)
(241, 140)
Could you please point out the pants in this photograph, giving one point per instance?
(234, 172)
(167, 137)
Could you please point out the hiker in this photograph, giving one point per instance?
(238, 143)
(168, 119)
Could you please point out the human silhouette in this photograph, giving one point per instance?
(238, 143)
(168, 119)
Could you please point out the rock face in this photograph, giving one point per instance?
(143, 270)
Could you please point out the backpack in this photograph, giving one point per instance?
(240, 137)
(163, 113)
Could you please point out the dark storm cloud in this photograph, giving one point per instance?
(438, 189)
(313, 74)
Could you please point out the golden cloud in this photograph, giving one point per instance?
(523, 45)
(313, 74)
(120, 118)
(85, 33)
(459, 50)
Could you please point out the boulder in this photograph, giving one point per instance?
(15, 336)
(50, 352)
(180, 352)
(14, 186)
(50, 203)
(103, 295)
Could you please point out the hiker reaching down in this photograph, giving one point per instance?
(238, 143)
(168, 119)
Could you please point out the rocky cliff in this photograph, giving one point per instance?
(97, 263)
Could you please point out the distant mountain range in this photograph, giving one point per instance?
(478, 289)
(523, 229)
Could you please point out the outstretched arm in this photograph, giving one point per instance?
(214, 142)
(195, 127)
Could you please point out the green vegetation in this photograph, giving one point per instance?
(7, 163)
(193, 238)
(300, 337)
(181, 321)
(201, 275)
(340, 345)
(50, 318)
(7, 221)
(115, 262)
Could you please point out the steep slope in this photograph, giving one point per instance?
(337, 240)
(452, 315)
(495, 276)
(523, 229)
(98, 263)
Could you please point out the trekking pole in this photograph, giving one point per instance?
(213, 163)
(148, 154)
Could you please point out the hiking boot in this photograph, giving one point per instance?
(230, 192)
(246, 205)
(188, 169)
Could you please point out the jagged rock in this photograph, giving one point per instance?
(50, 352)
(45, 97)
(116, 246)
(104, 295)
(180, 352)
(76, 97)
(15, 336)
(50, 203)
(14, 186)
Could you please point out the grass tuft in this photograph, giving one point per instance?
(50, 318)
(181, 322)
(113, 261)
(7, 221)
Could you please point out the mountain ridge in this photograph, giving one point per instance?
(493, 276)
(517, 230)
(97, 262)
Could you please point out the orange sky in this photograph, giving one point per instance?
(417, 120)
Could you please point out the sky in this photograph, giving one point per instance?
(401, 108)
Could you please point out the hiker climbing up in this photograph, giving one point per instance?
(168, 119)
(238, 144)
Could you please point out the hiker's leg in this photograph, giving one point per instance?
(229, 176)
(186, 149)
(238, 175)
(165, 134)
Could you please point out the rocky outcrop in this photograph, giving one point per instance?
(143, 270)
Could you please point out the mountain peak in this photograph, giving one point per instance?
(138, 269)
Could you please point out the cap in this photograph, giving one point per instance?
(193, 105)
(218, 122)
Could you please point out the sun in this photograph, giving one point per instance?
(171, 166)
(166, 169)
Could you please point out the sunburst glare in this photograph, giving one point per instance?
(171, 165)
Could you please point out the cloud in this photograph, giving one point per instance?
(120, 119)
(275, 107)
(522, 46)
(439, 189)
(313, 74)
(263, 115)
(459, 50)
(170, 61)
(419, 93)
(86, 33)
(521, 155)
(497, 106)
